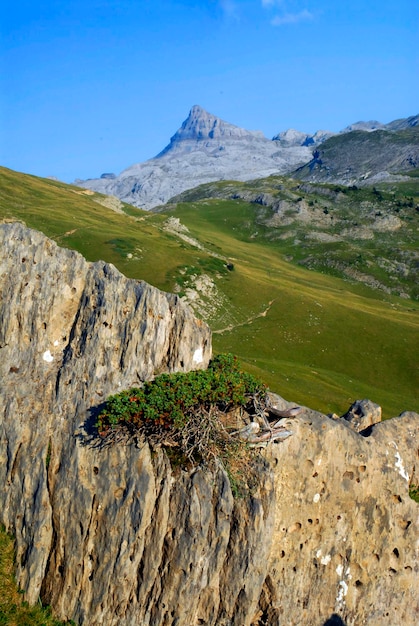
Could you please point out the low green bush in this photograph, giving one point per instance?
(170, 399)
(188, 413)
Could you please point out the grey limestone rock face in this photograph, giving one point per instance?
(201, 125)
(292, 137)
(112, 535)
(204, 149)
(71, 333)
(345, 536)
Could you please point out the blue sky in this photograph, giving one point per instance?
(94, 86)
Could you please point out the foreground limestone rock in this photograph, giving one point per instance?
(362, 414)
(346, 531)
(112, 535)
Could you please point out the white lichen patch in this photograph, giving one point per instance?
(198, 356)
(343, 590)
(325, 560)
(343, 586)
(316, 498)
(47, 356)
(56, 343)
(318, 554)
(400, 467)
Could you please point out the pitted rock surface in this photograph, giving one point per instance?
(346, 531)
(112, 535)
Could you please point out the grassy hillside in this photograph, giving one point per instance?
(367, 235)
(314, 338)
(76, 218)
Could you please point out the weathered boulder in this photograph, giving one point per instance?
(111, 534)
(362, 414)
(346, 532)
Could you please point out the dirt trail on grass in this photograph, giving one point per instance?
(249, 320)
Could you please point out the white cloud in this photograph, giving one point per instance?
(292, 18)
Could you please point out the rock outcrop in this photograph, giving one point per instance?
(345, 538)
(362, 414)
(111, 534)
(293, 137)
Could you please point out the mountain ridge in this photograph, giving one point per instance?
(364, 157)
(200, 125)
(206, 148)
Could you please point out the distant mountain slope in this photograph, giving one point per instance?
(400, 124)
(204, 149)
(407, 122)
(293, 137)
(361, 155)
(207, 148)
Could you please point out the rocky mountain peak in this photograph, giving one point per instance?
(367, 126)
(293, 138)
(205, 149)
(203, 126)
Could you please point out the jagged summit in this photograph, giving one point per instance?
(200, 125)
(204, 149)
(291, 137)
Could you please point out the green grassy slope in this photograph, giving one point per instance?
(322, 342)
(74, 218)
(314, 338)
(370, 235)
